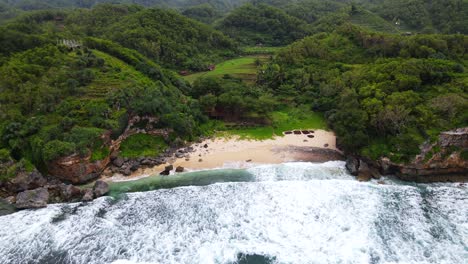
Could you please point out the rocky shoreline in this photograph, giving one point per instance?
(127, 166)
(448, 164)
(33, 190)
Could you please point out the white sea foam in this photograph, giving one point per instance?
(294, 213)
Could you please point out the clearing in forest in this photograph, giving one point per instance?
(243, 67)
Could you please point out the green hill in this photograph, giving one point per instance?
(56, 101)
(254, 24)
(371, 21)
(161, 35)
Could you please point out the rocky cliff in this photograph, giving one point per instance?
(76, 169)
(443, 160)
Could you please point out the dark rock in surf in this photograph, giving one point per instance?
(179, 169)
(364, 173)
(100, 188)
(88, 195)
(70, 192)
(352, 165)
(37, 198)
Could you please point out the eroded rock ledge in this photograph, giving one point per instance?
(441, 161)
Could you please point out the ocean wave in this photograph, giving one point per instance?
(287, 217)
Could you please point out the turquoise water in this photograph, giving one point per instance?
(198, 178)
(286, 213)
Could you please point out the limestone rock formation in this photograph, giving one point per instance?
(77, 169)
(444, 160)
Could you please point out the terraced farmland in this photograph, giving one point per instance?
(243, 67)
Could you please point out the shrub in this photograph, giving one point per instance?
(4, 155)
(464, 154)
(142, 145)
(56, 148)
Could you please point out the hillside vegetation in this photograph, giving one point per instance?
(161, 35)
(428, 16)
(56, 100)
(382, 94)
(70, 78)
(263, 24)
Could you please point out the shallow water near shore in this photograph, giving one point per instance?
(284, 213)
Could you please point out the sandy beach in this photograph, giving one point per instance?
(318, 146)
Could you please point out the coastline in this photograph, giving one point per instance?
(234, 152)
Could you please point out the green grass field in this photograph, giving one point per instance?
(142, 145)
(259, 50)
(281, 121)
(243, 67)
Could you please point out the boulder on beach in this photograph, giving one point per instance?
(127, 172)
(179, 169)
(147, 162)
(167, 170)
(118, 162)
(165, 173)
